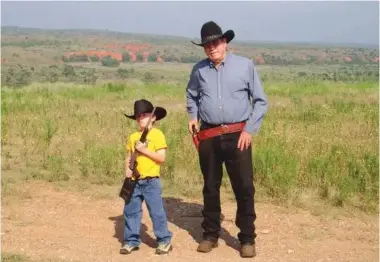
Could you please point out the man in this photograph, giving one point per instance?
(219, 95)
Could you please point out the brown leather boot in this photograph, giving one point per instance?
(206, 246)
(248, 250)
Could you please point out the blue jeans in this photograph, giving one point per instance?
(150, 191)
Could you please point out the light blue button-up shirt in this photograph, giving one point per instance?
(228, 94)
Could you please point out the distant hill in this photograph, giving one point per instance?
(54, 46)
(152, 38)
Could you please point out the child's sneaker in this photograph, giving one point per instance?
(164, 248)
(128, 249)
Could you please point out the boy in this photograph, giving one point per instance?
(152, 154)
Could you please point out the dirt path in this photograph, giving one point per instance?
(64, 226)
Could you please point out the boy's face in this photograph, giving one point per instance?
(143, 119)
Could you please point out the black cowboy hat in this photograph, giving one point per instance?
(211, 31)
(144, 106)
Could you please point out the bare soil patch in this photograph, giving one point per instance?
(58, 225)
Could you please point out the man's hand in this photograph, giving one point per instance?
(192, 123)
(140, 147)
(244, 140)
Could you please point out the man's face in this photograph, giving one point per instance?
(215, 50)
(143, 119)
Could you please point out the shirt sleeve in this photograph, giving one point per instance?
(192, 94)
(259, 101)
(160, 141)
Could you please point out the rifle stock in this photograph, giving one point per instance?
(129, 184)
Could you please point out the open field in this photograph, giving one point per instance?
(317, 150)
(317, 142)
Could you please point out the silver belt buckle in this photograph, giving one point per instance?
(224, 129)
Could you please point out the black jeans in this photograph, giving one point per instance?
(213, 152)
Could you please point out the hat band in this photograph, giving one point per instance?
(211, 37)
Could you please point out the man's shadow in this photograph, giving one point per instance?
(119, 232)
(188, 216)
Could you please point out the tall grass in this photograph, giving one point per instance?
(318, 139)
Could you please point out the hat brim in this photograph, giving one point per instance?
(160, 113)
(229, 35)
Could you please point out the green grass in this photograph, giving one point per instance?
(318, 139)
(11, 257)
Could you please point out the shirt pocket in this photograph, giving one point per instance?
(237, 86)
(207, 85)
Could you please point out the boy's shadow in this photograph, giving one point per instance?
(119, 232)
(188, 216)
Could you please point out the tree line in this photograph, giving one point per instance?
(21, 75)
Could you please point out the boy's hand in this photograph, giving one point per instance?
(140, 147)
(128, 173)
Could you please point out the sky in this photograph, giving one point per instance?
(280, 21)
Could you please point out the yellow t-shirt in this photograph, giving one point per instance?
(155, 140)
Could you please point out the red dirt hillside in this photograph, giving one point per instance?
(99, 54)
(115, 52)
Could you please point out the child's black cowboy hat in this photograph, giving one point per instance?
(144, 106)
(211, 31)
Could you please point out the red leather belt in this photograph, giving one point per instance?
(220, 130)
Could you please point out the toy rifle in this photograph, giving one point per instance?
(130, 183)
